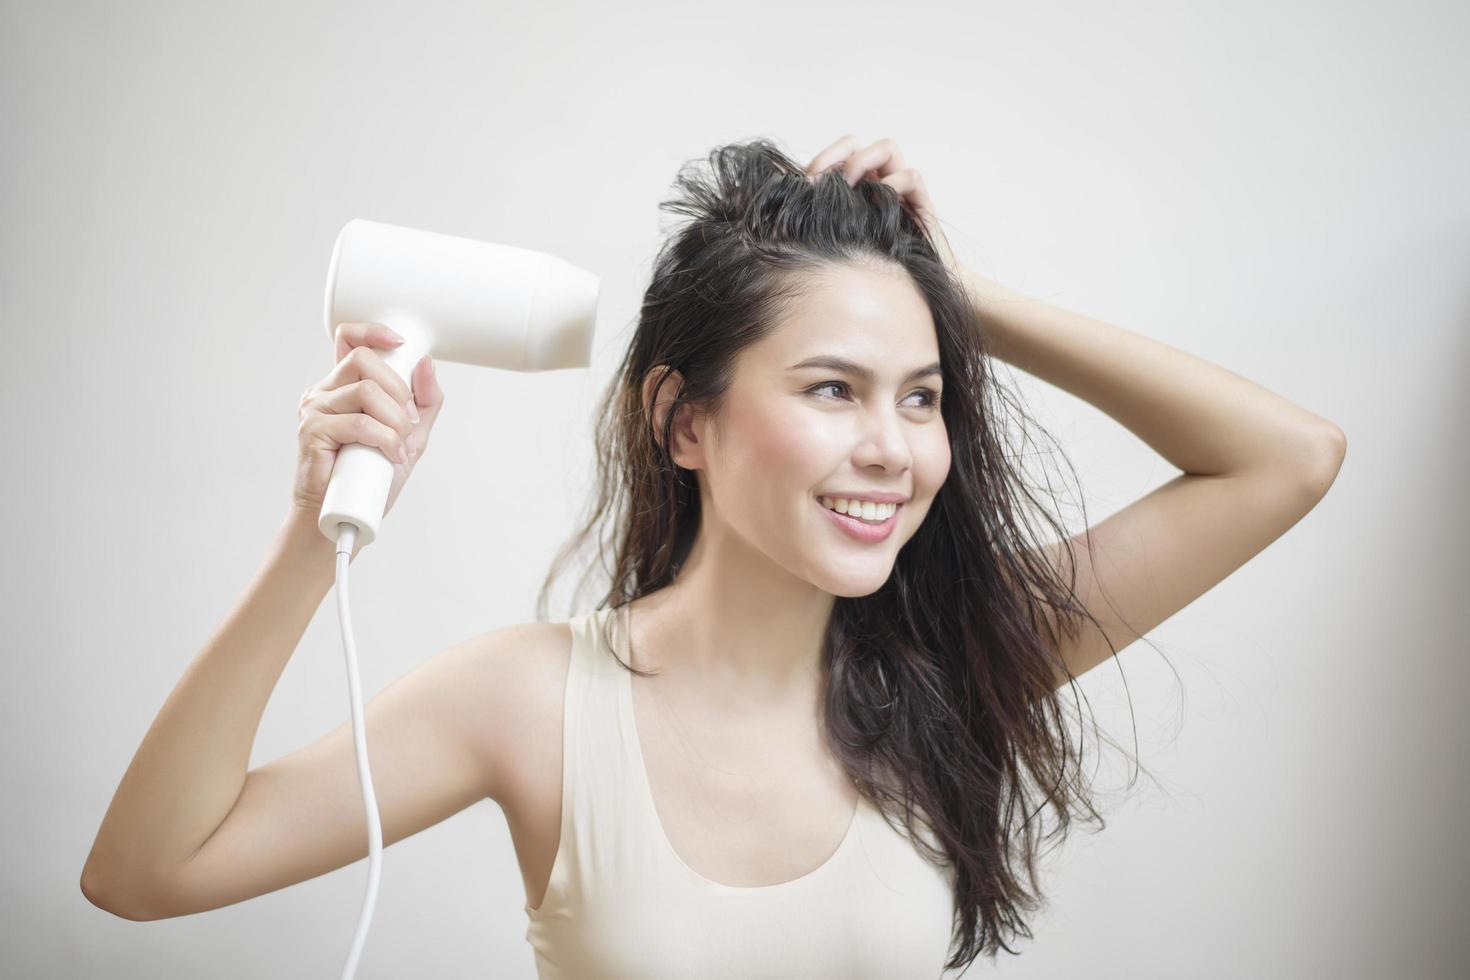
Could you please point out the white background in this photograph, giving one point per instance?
(1277, 187)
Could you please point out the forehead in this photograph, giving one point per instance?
(871, 314)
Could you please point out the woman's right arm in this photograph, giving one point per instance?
(191, 766)
(190, 830)
(302, 814)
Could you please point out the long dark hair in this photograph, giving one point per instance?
(941, 699)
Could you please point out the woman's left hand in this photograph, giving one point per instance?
(884, 161)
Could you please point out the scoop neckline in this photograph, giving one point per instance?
(629, 723)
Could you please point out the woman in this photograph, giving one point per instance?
(840, 716)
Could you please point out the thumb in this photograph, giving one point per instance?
(427, 394)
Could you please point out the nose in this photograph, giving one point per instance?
(884, 443)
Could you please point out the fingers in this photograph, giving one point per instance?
(882, 159)
(366, 363)
(910, 184)
(362, 381)
(427, 395)
(427, 399)
(345, 428)
(366, 397)
(357, 345)
(835, 153)
(885, 161)
(350, 335)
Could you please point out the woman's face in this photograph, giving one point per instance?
(793, 431)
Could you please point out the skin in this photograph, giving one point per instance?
(740, 629)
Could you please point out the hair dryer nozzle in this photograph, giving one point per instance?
(563, 313)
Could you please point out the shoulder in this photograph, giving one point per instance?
(534, 652)
(520, 672)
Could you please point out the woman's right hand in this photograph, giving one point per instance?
(363, 400)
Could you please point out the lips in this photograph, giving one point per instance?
(866, 533)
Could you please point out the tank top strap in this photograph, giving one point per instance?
(597, 785)
(606, 783)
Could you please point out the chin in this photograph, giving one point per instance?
(852, 584)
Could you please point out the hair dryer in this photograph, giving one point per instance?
(457, 300)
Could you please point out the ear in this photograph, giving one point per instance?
(688, 430)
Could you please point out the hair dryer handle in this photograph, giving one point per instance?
(357, 493)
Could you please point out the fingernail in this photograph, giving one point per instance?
(411, 409)
(394, 334)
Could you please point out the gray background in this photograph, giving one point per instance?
(1278, 188)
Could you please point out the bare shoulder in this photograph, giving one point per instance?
(523, 671)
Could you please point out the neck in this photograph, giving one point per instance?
(741, 629)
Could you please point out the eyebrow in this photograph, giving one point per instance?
(857, 370)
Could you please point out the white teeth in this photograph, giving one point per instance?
(864, 510)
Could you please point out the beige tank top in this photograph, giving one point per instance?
(622, 903)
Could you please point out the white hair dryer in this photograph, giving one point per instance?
(458, 300)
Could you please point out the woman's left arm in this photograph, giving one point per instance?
(1253, 463)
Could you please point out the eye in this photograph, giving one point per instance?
(827, 384)
(931, 397)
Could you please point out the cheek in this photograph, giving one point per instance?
(784, 443)
(764, 451)
(932, 460)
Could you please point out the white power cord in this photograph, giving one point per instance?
(346, 538)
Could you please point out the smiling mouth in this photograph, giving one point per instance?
(857, 517)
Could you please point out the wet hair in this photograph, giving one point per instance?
(941, 698)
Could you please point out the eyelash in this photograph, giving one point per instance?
(932, 395)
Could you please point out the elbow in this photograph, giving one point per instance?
(1326, 460)
(92, 889)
